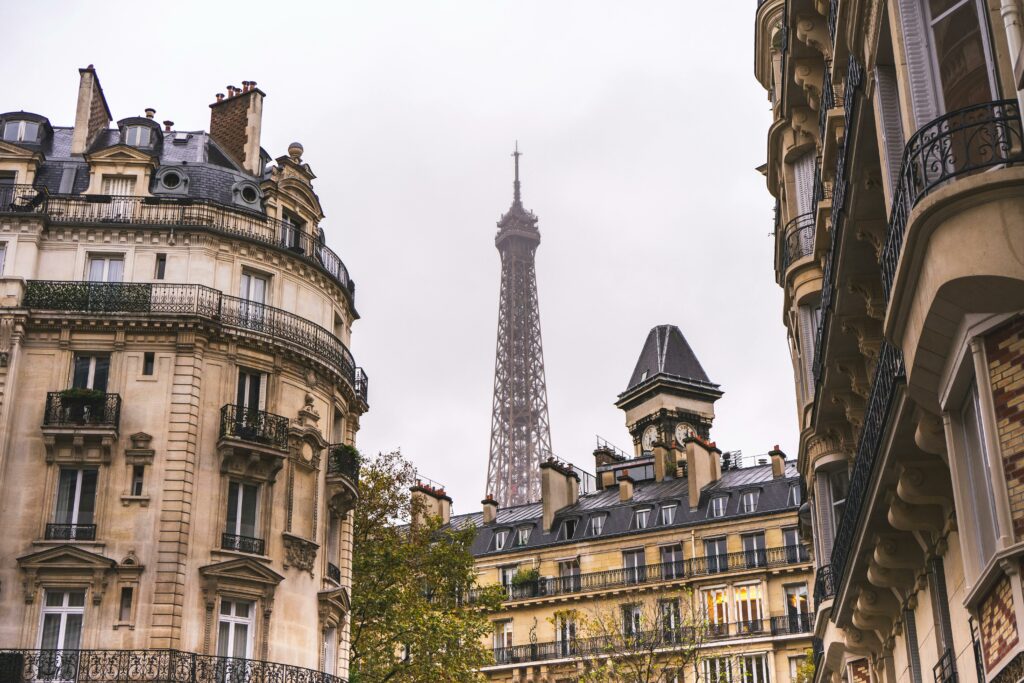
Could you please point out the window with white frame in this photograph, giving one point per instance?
(672, 561)
(961, 51)
(235, 627)
(635, 564)
(794, 668)
(3, 256)
(632, 619)
(503, 634)
(716, 607)
(748, 607)
(565, 634)
(754, 553)
(567, 529)
(62, 615)
(569, 574)
(973, 459)
(242, 511)
(715, 555)
(106, 268)
(251, 390)
(499, 540)
(748, 501)
(753, 669)
(794, 495)
(671, 620)
(839, 485)
(137, 136)
(331, 651)
(21, 131)
(597, 524)
(718, 505)
(523, 535)
(91, 371)
(668, 514)
(74, 516)
(717, 670)
(118, 186)
(641, 518)
(507, 573)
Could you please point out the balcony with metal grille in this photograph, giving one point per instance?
(82, 408)
(70, 532)
(824, 587)
(343, 461)
(242, 544)
(253, 426)
(798, 236)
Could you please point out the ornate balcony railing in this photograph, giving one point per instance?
(824, 586)
(889, 374)
(243, 544)
(654, 573)
(199, 301)
(82, 408)
(255, 426)
(799, 235)
(70, 532)
(178, 212)
(945, 669)
(828, 100)
(343, 460)
(333, 572)
(954, 145)
(833, 17)
(792, 624)
(148, 666)
(362, 384)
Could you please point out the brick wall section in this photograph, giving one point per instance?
(998, 625)
(1005, 351)
(859, 671)
(176, 500)
(98, 118)
(228, 121)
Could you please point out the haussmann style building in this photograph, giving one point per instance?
(676, 549)
(895, 156)
(178, 402)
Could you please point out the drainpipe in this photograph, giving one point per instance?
(1010, 12)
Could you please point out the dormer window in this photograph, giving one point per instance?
(794, 495)
(641, 518)
(748, 502)
(171, 180)
(597, 524)
(500, 539)
(717, 508)
(567, 530)
(523, 535)
(21, 131)
(668, 514)
(247, 194)
(137, 136)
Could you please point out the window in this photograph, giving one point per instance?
(160, 269)
(291, 228)
(569, 575)
(567, 530)
(796, 608)
(137, 136)
(794, 549)
(500, 539)
(331, 651)
(148, 362)
(974, 459)
(632, 620)
(634, 562)
(668, 615)
(21, 131)
(333, 538)
(961, 51)
(748, 608)
(251, 393)
(717, 507)
(672, 561)
(716, 606)
(749, 501)
(794, 495)
(715, 556)
(124, 609)
(717, 670)
(235, 629)
(61, 628)
(507, 573)
(106, 268)
(668, 515)
(503, 635)
(839, 484)
(138, 477)
(76, 506)
(523, 535)
(565, 635)
(241, 514)
(3, 256)
(753, 550)
(253, 289)
(118, 186)
(597, 524)
(641, 517)
(91, 372)
(753, 669)
(794, 668)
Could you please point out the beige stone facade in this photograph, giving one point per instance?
(177, 399)
(895, 156)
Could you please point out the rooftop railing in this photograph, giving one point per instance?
(177, 212)
(203, 302)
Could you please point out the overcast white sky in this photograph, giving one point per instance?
(641, 124)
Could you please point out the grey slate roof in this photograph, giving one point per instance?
(666, 352)
(773, 497)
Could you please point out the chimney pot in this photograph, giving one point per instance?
(252, 84)
(220, 97)
(168, 125)
(490, 509)
(150, 112)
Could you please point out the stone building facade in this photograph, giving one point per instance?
(178, 403)
(895, 156)
(674, 550)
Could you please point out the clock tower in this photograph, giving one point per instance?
(669, 397)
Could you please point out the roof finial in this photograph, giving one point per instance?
(516, 154)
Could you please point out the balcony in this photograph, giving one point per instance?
(343, 461)
(111, 298)
(944, 670)
(333, 572)
(242, 544)
(771, 558)
(824, 586)
(147, 666)
(799, 239)
(178, 212)
(253, 426)
(82, 408)
(69, 532)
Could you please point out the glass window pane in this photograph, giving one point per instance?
(232, 518)
(960, 53)
(225, 606)
(72, 631)
(54, 598)
(76, 599)
(51, 630)
(115, 271)
(241, 640)
(31, 131)
(248, 526)
(101, 373)
(66, 498)
(242, 609)
(223, 637)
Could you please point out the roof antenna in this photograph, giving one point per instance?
(516, 154)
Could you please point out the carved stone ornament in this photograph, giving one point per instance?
(299, 553)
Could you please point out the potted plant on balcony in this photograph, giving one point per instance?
(526, 582)
(345, 459)
(81, 405)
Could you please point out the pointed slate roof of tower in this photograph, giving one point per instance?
(666, 352)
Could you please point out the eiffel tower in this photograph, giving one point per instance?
(520, 433)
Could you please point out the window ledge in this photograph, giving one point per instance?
(1003, 563)
(237, 553)
(141, 500)
(43, 543)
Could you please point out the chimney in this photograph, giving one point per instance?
(778, 462)
(235, 124)
(92, 115)
(168, 126)
(559, 488)
(430, 500)
(625, 487)
(490, 509)
(664, 461)
(604, 455)
(150, 112)
(702, 467)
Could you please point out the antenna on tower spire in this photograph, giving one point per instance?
(515, 186)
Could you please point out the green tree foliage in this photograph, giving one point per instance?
(410, 620)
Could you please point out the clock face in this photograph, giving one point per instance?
(650, 436)
(684, 431)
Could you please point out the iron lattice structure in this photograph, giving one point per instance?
(520, 431)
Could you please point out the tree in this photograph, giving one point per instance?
(646, 641)
(805, 671)
(410, 620)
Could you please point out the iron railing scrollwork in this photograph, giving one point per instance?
(255, 426)
(799, 236)
(824, 586)
(889, 374)
(343, 460)
(333, 572)
(70, 532)
(148, 666)
(828, 100)
(792, 624)
(21, 199)
(82, 408)
(956, 144)
(944, 670)
(242, 544)
(833, 17)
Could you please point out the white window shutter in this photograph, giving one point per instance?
(890, 124)
(823, 502)
(808, 335)
(917, 48)
(803, 170)
(263, 390)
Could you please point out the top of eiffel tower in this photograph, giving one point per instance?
(517, 217)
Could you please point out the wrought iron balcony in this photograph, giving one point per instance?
(362, 384)
(202, 302)
(824, 586)
(178, 212)
(343, 460)
(889, 374)
(82, 408)
(333, 572)
(792, 624)
(799, 239)
(243, 544)
(954, 145)
(147, 666)
(945, 669)
(255, 426)
(70, 532)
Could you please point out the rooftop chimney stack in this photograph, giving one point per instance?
(559, 488)
(664, 461)
(625, 488)
(490, 509)
(92, 115)
(235, 123)
(168, 126)
(702, 467)
(430, 500)
(778, 462)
